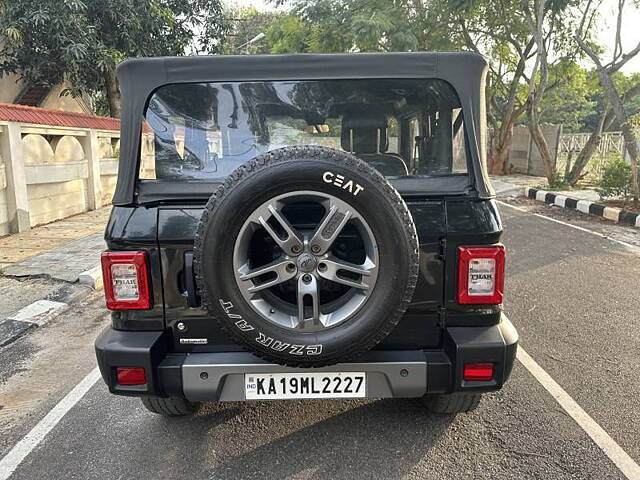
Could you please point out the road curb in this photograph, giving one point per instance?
(34, 315)
(92, 278)
(618, 215)
(11, 330)
(40, 312)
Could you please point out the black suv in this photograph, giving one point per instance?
(304, 226)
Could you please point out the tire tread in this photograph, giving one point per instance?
(453, 402)
(170, 406)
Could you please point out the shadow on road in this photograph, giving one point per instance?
(381, 439)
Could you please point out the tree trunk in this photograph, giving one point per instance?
(112, 92)
(587, 151)
(630, 140)
(500, 146)
(543, 148)
(604, 75)
(537, 91)
(567, 165)
(584, 156)
(541, 143)
(632, 148)
(500, 149)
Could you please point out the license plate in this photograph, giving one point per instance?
(279, 386)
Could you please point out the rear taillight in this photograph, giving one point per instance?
(131, 376)
(480, 274)
(477, 372)
(126, 280)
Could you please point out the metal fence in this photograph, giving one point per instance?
(611, 147)
(611, 142)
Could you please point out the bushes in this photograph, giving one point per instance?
(559, 183)
(616, 180)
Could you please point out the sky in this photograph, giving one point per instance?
(606, 27)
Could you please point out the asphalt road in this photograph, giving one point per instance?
(572, 295)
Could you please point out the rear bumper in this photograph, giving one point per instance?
(220, 376)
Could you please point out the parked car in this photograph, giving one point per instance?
(304, 226)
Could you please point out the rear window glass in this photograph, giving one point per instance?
(204, 131)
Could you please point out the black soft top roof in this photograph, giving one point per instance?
(140, 77)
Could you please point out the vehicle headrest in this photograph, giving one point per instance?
(364, 140)
(362, 128)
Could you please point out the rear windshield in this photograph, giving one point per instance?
(204, 131)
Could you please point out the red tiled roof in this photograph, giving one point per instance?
(43, 116)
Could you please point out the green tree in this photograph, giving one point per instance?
(48, 41)
(604, 120)
(513, 34)
(606, 75)
(517, 36)
(366, 26)
(289, 34)
(498, 31)
(572, 100)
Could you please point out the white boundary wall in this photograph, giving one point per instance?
(48, 173)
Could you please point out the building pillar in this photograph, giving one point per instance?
(92, 154)
(17, 197)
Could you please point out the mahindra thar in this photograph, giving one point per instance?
(304, 227)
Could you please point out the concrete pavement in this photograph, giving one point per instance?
(63, 250)
(66, 262)
(571, 294)
(514, 185)
(43, 239)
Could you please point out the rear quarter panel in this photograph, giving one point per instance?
(135, 228)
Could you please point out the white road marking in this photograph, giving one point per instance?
(18, 453)
(618, 456)
(630, 246)
(39, 312)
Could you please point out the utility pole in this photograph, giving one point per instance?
(255, 39)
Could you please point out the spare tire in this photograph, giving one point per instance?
(306, 256)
